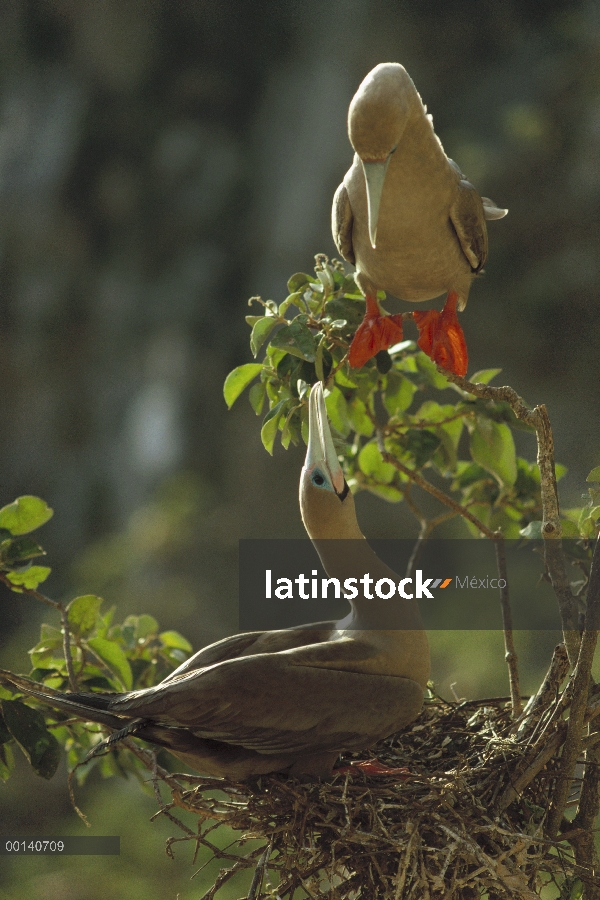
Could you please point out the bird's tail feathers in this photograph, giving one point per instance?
(491, 211)
(91, 707)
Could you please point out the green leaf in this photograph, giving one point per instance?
(19, 551)
(7, 762)
(319, 360)
(532, 532)
(175, 640)
(30, 578)
(257, 395)
(44, 651)
(82, 613)
(337, 410)
(430, 372)
(238, 380)
(421, 444)
(399, 393)
(594, 474)
(114, 658)
(401, 347)
(560, 471)
(484, 376)
(260, 332)
(294, 299)
(296, 339)
(290, 431)
(493, 448)
(350, 310)
(344, 377)
(361, 423)
(371, 463)
(24, 514)
(28, 728)
(271, 421)
(299, 280)
(385, 491)
(588, 519)
(145, 626)
(569, 529)
(5, 734)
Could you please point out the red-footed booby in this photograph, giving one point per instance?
(288, 700)
(408, 219)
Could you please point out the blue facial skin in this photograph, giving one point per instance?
(319, 480)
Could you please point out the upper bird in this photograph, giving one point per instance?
(288, 700)
(408, 219)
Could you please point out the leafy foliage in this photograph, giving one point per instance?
(105, 657)
(399, 400)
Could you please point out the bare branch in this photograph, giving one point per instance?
(551, 527)
(581, 683)
(509, 644)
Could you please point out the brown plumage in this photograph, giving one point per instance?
(404, 213)
(286, 700)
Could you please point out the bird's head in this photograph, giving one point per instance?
(377, 117)
(326, 504)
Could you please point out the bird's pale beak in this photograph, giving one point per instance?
(374, 177)
(321, 451)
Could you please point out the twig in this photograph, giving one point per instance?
(509, 644)
(584, 841)
(431, 489)
(426, 527)
(259, 873)
(548, 691)
(581, 684)
(532, 767)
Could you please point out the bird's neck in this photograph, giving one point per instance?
(354, 559)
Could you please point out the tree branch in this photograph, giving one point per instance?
(551, 527)
(495, 536)
(431, 488)
(509, 644)
(581, 683)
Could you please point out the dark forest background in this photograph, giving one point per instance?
(160, 162)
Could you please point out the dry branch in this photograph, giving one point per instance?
(551, 527)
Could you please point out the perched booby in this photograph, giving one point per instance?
(288, 700)
(408, 219)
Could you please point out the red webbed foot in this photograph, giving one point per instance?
(375, 333)
(442, 338)
(372, 767)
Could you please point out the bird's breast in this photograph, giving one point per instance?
(418, 255)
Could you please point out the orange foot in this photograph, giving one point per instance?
(375, 333)
(371, 767)
(442, 338)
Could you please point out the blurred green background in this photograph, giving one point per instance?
(159, 163)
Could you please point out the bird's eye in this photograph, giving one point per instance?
(318, 479)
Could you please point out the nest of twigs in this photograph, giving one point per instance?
(470, 819)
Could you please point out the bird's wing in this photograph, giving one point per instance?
(287, 702)
(228, 648)
(342, 219)
(252, 642)
(468, 218)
